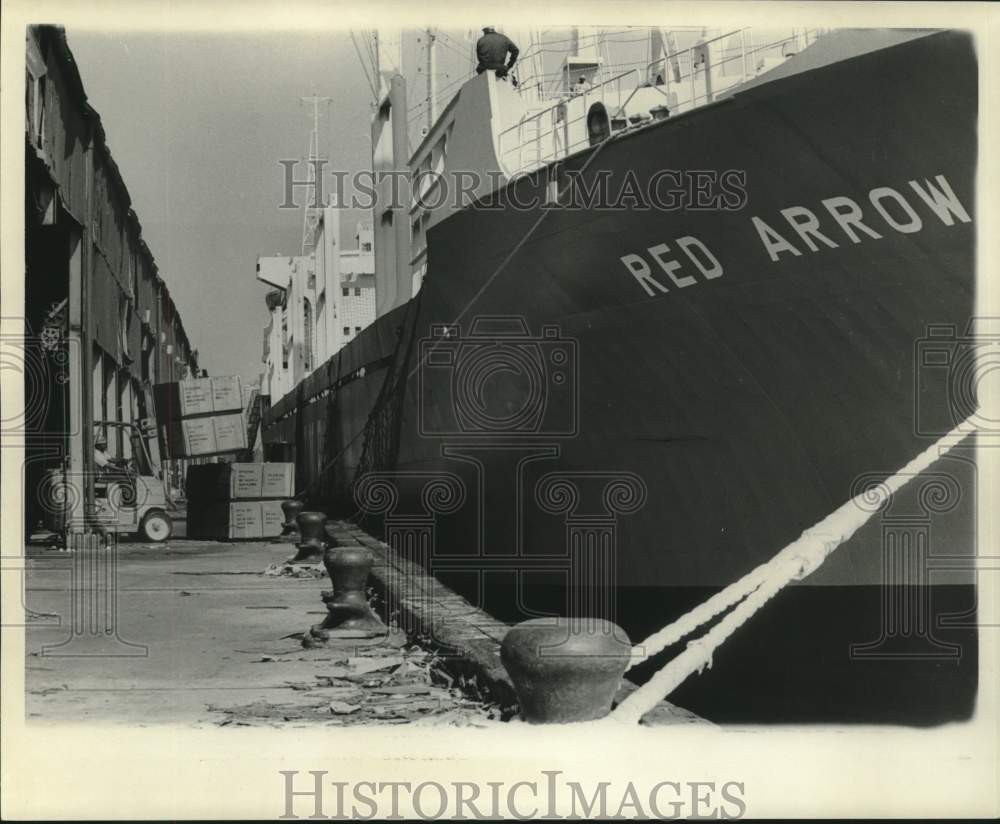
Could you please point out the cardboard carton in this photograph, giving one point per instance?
(227, 395)
(277, 480)
(272, 519)
(236, 520)
(240, 481)
(209, 435)
(198, 396)
(195, 397)
(230, 432)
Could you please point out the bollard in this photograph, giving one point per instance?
(347, 604)
(289, 529)
(563, 669)
(330, 528)
(312, 545)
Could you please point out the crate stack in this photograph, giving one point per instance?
(201, 417)
(238, 501)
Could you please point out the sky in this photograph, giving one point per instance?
(197, 124)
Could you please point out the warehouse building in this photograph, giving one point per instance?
(100, 325)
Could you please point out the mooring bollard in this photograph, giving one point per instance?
(289, 529)
(330, 528)
(312, 544)
(347, 603)
(565, 669)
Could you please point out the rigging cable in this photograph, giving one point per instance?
(364, 68)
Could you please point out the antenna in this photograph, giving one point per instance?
(310, 218)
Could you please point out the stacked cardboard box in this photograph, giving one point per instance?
(248, 520)
(201, 416)
(238, 500)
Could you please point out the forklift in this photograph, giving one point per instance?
(130, 496)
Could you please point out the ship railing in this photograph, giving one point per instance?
(687, 79)
(738, 62)
(690, 85)
(553, 132)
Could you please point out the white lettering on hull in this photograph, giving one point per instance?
(812, 233)
(698, 256)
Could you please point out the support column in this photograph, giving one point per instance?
(592, 503)
(83, 471)
(409, 504)
(93, 621)
(78, 345)
(906, 615)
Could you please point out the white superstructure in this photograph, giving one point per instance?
(319, 303)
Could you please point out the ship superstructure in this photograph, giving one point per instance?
(491, 131)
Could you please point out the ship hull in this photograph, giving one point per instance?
(667, 397)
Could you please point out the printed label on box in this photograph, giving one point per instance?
(199, 436)
(226, 394)
(195, 396)
(278, 480)
(230, 433)
(272, 519)
(244, 480)
(244, 520)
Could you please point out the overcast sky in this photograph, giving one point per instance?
(197, 124)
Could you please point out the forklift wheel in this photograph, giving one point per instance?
(156, 526)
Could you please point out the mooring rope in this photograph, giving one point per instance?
(797, 560)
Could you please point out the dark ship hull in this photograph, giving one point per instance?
(580, 438)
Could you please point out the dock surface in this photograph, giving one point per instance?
(211, 633)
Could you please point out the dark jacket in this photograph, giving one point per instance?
(491, 52)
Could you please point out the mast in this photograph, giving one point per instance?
(528, 68)
(313, 209)
(431, 79)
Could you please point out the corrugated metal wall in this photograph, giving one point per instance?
(122, 299)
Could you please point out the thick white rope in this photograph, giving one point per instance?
(797, 560)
